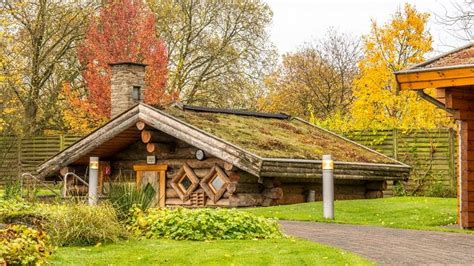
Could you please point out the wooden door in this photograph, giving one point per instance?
(155, 175)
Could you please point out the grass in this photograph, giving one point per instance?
(225, 252)
(400, 212)
(40, 192)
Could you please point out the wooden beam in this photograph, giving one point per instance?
(140, 125)
(435, 75)
(426, 84)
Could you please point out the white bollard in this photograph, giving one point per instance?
(328, 187)
(93, 180)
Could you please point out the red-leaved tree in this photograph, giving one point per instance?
(124, 31)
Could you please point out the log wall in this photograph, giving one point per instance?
(343, 190)
(462, 100)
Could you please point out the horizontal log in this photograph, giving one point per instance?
(140, 125)
(380, 185)
(177, 201)
(267, 202)
(267, 171)
(248, 187)
(336, 176)
(146, 136)
(246, 200)
(150, 147)
(394, 168)
(171, 193)
(229, 167)
(291, 199)
(172, 163)
(373, 194)
(273, 193)
(231, 188)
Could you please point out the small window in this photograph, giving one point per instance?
(136, 93)
(217, 183)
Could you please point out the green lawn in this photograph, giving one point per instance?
(224, 252)
(401, 212)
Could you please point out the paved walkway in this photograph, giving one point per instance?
(389, 246)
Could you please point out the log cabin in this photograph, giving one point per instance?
(198, 156)
(451, 76)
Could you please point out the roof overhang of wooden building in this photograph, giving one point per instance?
(120, 132)
(452, 75)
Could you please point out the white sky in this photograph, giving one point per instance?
(299, 21)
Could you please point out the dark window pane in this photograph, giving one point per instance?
(136, 93)
(186, 183)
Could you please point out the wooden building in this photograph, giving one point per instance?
(196, 156)
(452, 76)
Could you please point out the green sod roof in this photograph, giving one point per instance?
(276, 137)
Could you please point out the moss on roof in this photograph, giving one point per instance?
(277, 138)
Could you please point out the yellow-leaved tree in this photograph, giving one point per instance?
(394, 46)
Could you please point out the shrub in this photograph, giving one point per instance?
(14, 207)
(12, 189)
(79, 224)
(20, 244)
(68, 224)
(438, 189)
(201, 224)
(124, 196)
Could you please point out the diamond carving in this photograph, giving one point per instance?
(215, 183)
(185, 182)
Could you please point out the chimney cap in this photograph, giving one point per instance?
(127, 63)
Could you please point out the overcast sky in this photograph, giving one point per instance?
(299, 21)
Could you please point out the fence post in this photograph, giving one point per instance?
(61, 142)
(18, 153)
(395, 143)
(452, 157)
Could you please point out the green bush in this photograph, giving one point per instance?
(201, 224)
(124, 196)
(14, 207)
(12, 189)
(79, 224)
(438, 189)
(20, 244)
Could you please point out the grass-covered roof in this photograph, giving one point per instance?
(276, 137)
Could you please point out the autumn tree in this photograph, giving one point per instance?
(316, 80)
(218, 51)
(124, 31)
(39, 56)
(399, 43)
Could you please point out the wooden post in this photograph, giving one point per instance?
(61, 142)
(452, 157)
(395, 143)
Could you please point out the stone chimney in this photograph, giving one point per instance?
(128, 83)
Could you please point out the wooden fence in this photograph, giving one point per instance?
(19, 156)
(431, 153)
